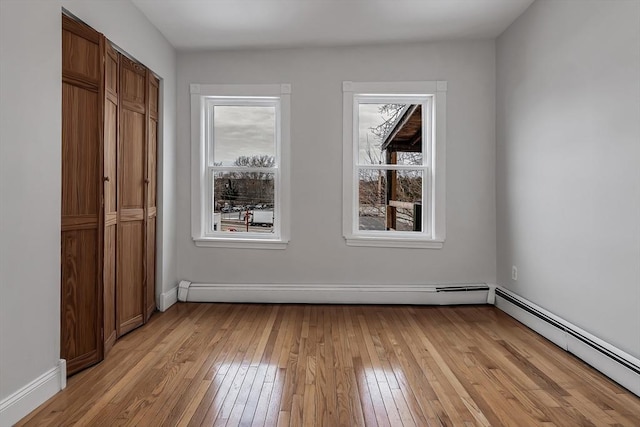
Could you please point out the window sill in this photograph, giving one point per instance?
(378, 242)
(240, 243)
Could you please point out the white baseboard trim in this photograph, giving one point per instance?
(19, 404)
(167, 299)
(611, 361)
(335, 294)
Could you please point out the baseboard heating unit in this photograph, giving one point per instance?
(611, 361)
(446, 294)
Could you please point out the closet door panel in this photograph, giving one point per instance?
(130, 276)
(80, 294)
(132, 83)
(110, 157)
(110, 242)
(110, 180)
(153, 168)
(132, 130)
(151, 266)
(131, 259)
(80, 151)
(152, 211)
(80, 53)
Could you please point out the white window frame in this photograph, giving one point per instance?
(203, 98)
(434, 94)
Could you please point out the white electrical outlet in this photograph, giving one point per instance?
(514, 272)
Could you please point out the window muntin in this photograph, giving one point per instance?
(240, 153)
(397, 185)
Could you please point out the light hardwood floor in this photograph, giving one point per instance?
(226, 364)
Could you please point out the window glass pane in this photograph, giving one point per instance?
(243, 202)
(244, 135)
(390, 200)
(390, 134)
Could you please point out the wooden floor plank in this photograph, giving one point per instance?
(290, 365)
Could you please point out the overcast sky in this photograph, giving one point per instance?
(369, 116)
(250, 130)
(243, 131)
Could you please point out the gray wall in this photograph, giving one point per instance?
(568, 163)
(30, 169)
(317, 252)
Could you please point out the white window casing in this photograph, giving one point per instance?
(432, 96)
(203, 98)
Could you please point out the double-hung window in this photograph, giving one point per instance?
(240, 165)
(394, 161)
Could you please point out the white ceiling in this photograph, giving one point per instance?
(239, 24)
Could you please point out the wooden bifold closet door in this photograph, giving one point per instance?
(81, 251)
(137, 211)
(110, 181)
(152, 207)
(109, 149)
(131, 274)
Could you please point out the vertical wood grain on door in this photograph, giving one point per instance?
(132, 151)
(81, 240)
(110, 182)
(152, 171)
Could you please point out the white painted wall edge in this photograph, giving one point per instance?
(19, 404)
(476, 293)
(606, 358)
(167, 299)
